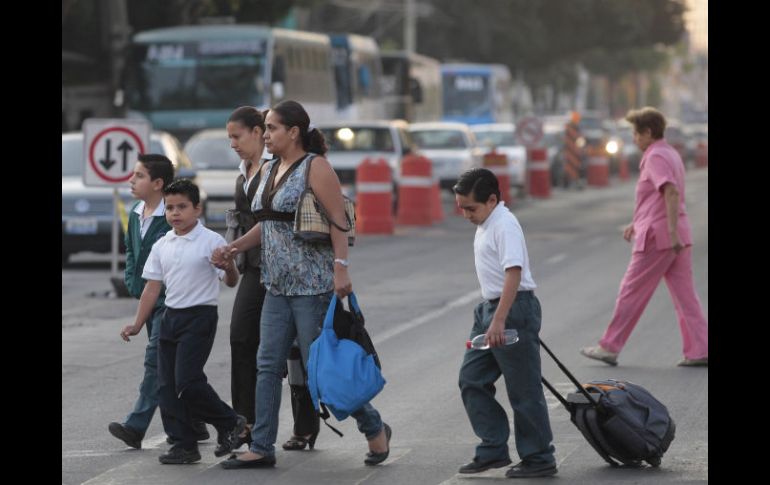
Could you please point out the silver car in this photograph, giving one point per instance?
(87, 212)
(216, 167)
(500, 136)
(450, 146)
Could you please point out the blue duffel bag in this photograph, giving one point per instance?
(341, 374)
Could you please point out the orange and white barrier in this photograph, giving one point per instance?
(539, 173)
(497, 163)
(374, 197)
(702, 155)
(598, 168)
(623, 172)
(415, 190)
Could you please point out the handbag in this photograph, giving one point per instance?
(311, 221)
(341, 374)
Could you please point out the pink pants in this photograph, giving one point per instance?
(639, 283)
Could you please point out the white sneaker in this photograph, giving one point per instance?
(598, 353)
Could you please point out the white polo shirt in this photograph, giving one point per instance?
(183, 264)
(499, 244)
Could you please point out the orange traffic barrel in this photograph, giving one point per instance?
(374, 197)
(414, 191)
(623, 168)
(702, 155)
(598, 168)
(539, 173)
(497, 163)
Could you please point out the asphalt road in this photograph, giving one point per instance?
(417, 289)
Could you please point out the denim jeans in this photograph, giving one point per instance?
(285, 318)
(185, 342)
(139, 419)
(519, 365)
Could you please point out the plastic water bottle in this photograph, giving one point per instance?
(511, 337)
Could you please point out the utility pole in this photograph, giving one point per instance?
(410, 27)
(116, 33)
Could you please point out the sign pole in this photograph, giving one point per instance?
(115, 218)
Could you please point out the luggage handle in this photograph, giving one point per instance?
(580, 387)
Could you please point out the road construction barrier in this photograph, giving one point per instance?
(702, 155)
(623, 172)
(374, 197)
(598, 167)
(415, 204)
(436, 209)
(497, 163)
(539, 173)
(572, 160)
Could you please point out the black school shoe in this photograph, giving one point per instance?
(228, 439)
(525, 470)
(201, 432)
(129, 436)
(179, 456)
(478, 466)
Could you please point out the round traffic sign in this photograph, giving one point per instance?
(529, 131)
(100, 153)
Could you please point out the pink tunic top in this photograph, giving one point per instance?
(660, 164)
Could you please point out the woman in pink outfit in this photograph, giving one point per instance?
(662, 248)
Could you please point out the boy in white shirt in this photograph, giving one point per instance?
(180, 261)
(502, 266)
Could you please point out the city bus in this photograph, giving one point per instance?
(477, 93)
(187, 78)
(411, 86)
(357, 77)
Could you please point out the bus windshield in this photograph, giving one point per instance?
(466, 95)
(197, 75)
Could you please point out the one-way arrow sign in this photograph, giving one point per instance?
(111, 147)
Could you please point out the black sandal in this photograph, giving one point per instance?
(296, 443)
(374, 458)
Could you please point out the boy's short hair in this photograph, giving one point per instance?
(184, 187)
(158, 166)
(480, 182)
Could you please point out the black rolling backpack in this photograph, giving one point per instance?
(621, 420)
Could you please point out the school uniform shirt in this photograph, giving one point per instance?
(184, 265)
(144, 222)
(498, 245)
(660, 164)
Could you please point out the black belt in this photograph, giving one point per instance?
(518, 293)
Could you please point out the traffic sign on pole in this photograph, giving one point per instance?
(529, 131)
(111, 147)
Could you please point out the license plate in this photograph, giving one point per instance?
(81, 225)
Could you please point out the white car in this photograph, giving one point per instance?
(500, 136)
(450, 146)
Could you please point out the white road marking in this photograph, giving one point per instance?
(416, 322)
